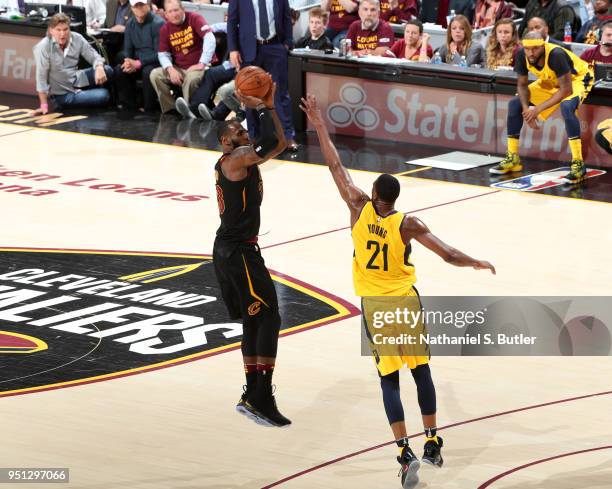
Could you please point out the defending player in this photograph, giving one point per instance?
(246, 285)
(381, 267)
(563, 80)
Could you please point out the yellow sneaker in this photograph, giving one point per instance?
(511, 163)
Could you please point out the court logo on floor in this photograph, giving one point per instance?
(542, 180)
(86, 316)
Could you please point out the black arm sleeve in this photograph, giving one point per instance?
(560, 62)
(268, 139)
(520, 66)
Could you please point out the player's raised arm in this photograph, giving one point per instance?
(271, 141)
(413, 228)
(352, 195)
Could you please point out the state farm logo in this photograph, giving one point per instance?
(352, 109)
(96, 315)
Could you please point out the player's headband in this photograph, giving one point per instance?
(533, 43)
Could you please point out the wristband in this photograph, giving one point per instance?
(44, 106)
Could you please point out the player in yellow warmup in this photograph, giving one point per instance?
(563, 80)
(382, 270)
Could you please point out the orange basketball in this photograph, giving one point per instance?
(253, 81)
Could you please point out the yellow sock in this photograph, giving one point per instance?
(576, 148)
(513, 145)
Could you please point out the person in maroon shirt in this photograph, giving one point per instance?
(342, 13)
(186, 48)
(370, 34)
(397, 11)
(415, 45)
(603, 52)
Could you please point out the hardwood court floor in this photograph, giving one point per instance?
(177, 428)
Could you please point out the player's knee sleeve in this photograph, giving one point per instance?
(249, 338)
(391, 397)
(515, 117)
(425, 389)
(568, 111)
(269, 322)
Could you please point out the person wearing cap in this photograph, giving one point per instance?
(138, 58)
(563, 82)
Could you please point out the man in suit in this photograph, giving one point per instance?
(118, 12)
(259, 32)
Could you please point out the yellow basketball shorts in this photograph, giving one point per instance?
(394, 331)
(540, 92)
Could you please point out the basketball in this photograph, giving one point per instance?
(253, 81)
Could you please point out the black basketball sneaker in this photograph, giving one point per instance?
(263, 412)
(410, 466)
(266, 412)
(432, 454)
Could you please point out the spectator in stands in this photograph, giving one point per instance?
(59, 82)
(434, 12)
(462, 7)
(118, 12)
(503, 45)
(203, 97)
(342, 13)
(539, 25)
(186, 48)
(138, 58)
(601, 53)
(95, 10)
(370, 34)
(398, 11)
(555, 13)
(459, 43)
(590, 29)
(586, 10)
(157, 7)
(316, 38)
(415, 45)
(490, 11)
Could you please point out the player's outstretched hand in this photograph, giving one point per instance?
(269, 98)
(484, 265)
(248, 101)
(311, 109)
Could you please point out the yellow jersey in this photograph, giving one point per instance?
(547, 76)
(381, 261)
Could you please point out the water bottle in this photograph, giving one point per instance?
(437, 59)
(463, 62)
(567, 33)
(450, 17)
